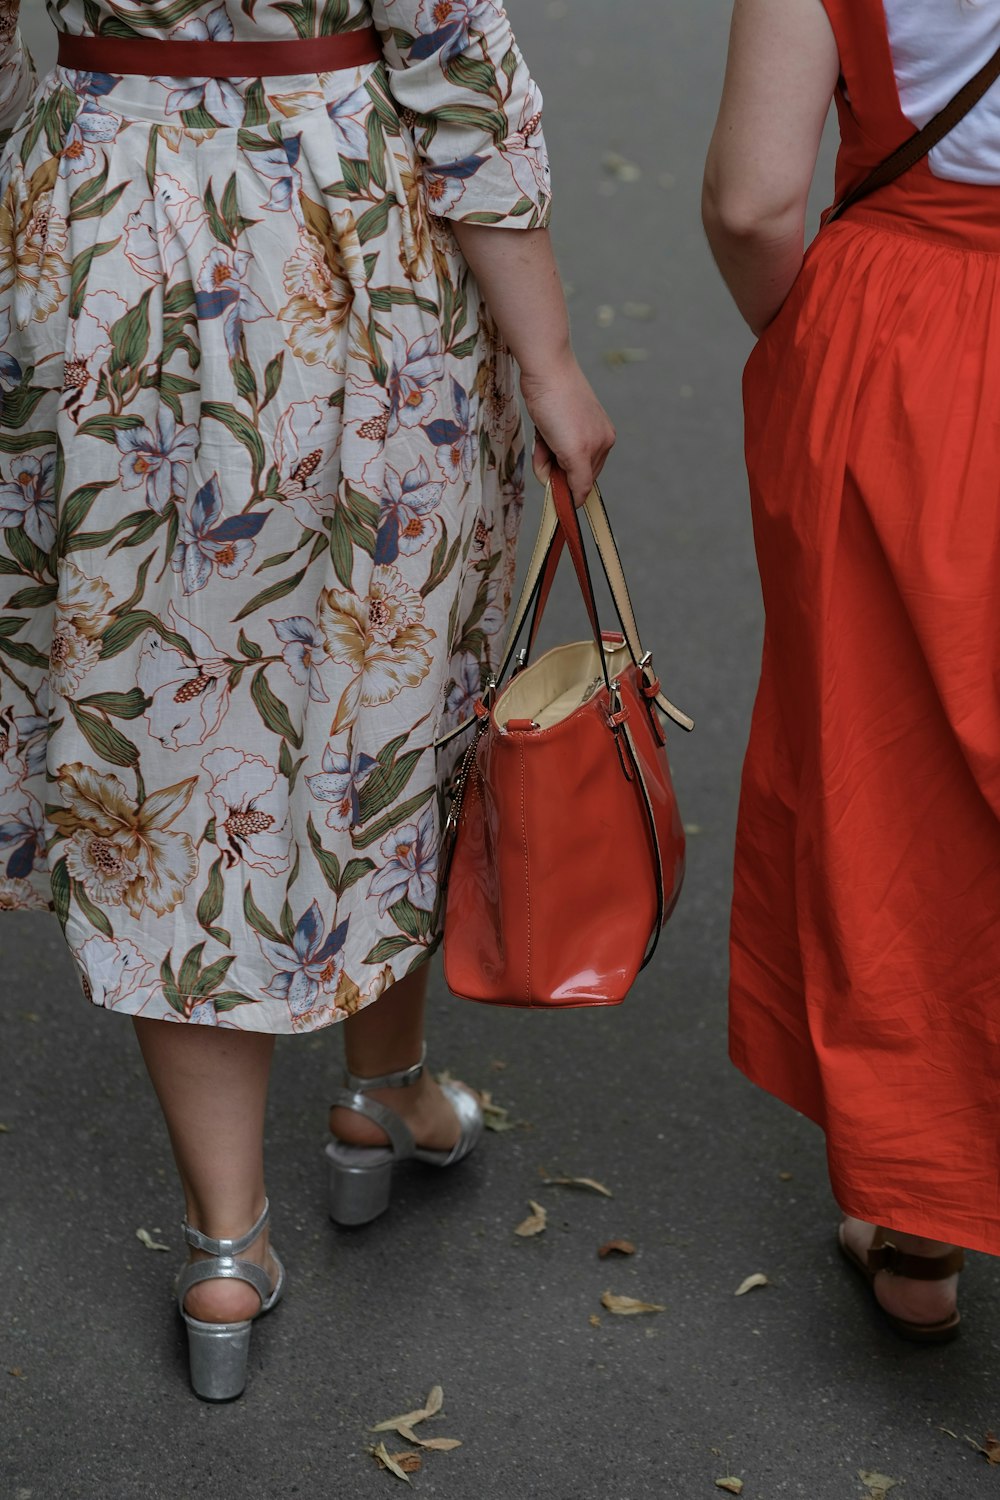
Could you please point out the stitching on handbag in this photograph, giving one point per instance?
(527, 896)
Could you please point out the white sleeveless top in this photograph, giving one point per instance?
(937, 46)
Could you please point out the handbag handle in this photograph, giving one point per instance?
(918, 145)
(551, 538)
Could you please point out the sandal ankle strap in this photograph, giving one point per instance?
(227, 1248)
(404, 1079)
(885, 1255)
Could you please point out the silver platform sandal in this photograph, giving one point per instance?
(361, 1176)
(219, 1351)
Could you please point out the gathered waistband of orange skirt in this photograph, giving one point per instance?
(963, 215)
(161, 58)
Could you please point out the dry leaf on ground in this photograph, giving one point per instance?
(594, 1321)
(731, 1485)
(386, 1461)
(437, 1445)
(877, 1485)
(535, 1223)
(616, 1247)
(495, 1117)
(4, 1130)
(785, 1177)
(991, 1450)
(627, 1307)
(17, 1373)
(757, 1279)
(147, 1239)
(620, 167)
(617, 357)
(433, 1405)
(577, 1182)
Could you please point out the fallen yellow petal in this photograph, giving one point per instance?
(433, 1405)
(578, 1182)
(627, 1307)
(535, 1223)
(757, 1279)
(731, 1485)
(383, 1457)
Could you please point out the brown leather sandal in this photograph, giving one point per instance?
(883, 1255)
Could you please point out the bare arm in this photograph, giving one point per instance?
(780, 78)
(517, 273)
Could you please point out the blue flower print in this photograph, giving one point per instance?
(310, 966)
(407, 522)
(339, 786)
(465, 688)
(92, 127)
(457, 441)
(444, 26)
(280, 165)
(157, 460)
(223, 293)
(28, 499)
(204, 546)
(220, 98)
(22, 842)
(10, 370)
(411, 869)
(348, 116)
(415, 369)
(303, 653)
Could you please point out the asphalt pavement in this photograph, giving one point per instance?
(792, 1388)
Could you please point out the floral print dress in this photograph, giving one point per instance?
(261, 471)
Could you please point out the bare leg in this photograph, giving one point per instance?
(212, 1088)
(387, 1037)
(916, 1301)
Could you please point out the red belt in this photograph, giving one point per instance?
(153, 57)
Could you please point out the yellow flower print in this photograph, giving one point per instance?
(124, 854)
(32, 237)
(382, 638)
(320, 276)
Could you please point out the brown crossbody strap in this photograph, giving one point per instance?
(918, 145)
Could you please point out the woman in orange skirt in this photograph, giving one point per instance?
(865, 984)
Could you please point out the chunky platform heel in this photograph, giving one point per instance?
(361, 1176)
(218, 1352)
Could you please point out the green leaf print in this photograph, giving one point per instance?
(210, 905)
(130, 705)
(474, 74)
(372, 223)
(130, 337)
(241, 429)
(75, 510)
(387, 948)
(89, 201)
(18, 406)
(212, 976)
(328, 863)
(272, 710)
(248, 647)
(61, 887)
(105, 739)
(36, 597)
(93, 913)
(80, 270)
(119, 636)
(389, 780)
(392, 819)
(229, 999)
(336, 14)
(272, 377)
(190, 969)
(178, 299)
(256, 918)
(412, 919)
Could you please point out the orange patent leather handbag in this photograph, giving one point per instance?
(566, 846)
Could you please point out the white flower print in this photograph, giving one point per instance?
(303, 654)
(89, 348)
(249, 801)
(188, 699)
(157, 462)
(28, 499)
(114, 970)
(339, 786)
(305, 452)
(411, 867)
(178, 217)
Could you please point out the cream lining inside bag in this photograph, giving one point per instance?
(558, 683)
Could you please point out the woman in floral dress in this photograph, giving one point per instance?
(261, 473)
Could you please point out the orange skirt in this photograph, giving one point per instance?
(866, 918)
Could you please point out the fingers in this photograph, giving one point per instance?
(542, 459)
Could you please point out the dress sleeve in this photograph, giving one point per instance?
(456, 72)
(17, 75)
